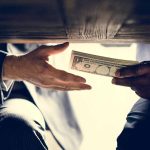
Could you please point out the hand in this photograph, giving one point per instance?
(137, 77)
(34, 68)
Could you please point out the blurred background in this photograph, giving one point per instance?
(102, 111)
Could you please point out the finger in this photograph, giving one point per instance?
(56, 84)
(64, 76)
(131, 82)
(52, 50)
(68, 86)
(122, 81)
(133, 71)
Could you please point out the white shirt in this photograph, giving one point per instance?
(56, 109)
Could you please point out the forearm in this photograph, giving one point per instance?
(11, 68)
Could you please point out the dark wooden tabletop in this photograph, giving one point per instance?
(75, 20)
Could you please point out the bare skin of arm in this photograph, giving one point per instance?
(34, 68)
(137, 77)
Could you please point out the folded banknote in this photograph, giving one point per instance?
(97, 64)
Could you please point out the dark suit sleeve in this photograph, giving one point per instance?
(23, 128)
(136, 133)
(4, 89)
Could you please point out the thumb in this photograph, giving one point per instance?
(46, 51)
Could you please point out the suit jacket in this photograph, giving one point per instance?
(136, 132)
(54, 105)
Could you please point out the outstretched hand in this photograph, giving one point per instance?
(137, 77)
(34, 68)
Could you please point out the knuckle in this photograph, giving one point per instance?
(143, 68)
(147, 67)
(139, 70)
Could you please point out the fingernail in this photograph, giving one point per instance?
(85, 87)
(88, 87)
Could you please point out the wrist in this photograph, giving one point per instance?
(11, 68)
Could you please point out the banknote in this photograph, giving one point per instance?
(97, 64)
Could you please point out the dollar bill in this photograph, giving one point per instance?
(97, 64)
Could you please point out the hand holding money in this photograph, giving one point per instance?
(137, 77)
(97, 64)
(126, 73)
